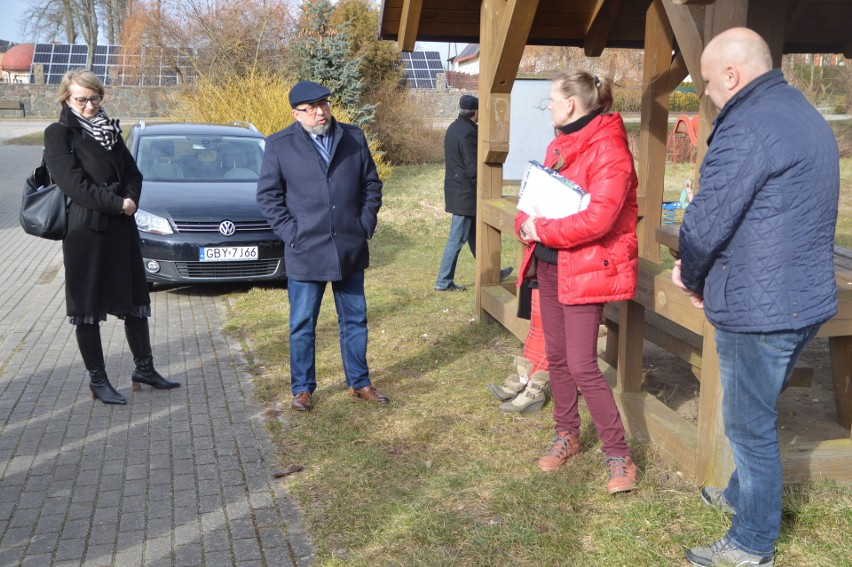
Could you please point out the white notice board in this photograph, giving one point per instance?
(529, 130)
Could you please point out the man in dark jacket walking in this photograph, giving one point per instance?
(460, 191)
(321, 194)
(756, 248)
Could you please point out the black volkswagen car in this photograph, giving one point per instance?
(198, 216)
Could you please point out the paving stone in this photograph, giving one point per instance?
(175, 478)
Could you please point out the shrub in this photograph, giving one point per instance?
(843, 133)
(267, 107)
(406, 130)
(684, 101)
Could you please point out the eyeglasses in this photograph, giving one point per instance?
(313, 108)
(83, 101)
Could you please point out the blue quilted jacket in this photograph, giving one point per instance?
(758, 239)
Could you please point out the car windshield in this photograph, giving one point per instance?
(199, 158)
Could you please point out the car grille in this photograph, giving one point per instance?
(213, 226)
(227, 270)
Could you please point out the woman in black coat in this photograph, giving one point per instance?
(104, 274)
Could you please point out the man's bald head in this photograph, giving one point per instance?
(732, 60)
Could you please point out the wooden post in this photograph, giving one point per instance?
(493, 146)
(840, 353)
(659, 41)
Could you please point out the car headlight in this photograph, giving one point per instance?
(147, 222)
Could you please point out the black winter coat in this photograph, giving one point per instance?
(460, 167)
(103, 259)
(324, 214)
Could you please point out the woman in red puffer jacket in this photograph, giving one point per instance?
(581, 262)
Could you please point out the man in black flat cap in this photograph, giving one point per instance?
(321, 194)
(460, 191)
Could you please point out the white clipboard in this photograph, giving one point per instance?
(546, 193)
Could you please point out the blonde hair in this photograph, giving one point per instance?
(591, 91)
(82, 77)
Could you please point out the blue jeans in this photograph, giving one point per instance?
(305, 300)
(754, 368)
(462, 229)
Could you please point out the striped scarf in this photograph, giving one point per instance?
(100, 127)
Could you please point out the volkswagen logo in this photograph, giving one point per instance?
(227, 228)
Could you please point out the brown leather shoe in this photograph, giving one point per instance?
(368, 393)
(302, 402)
(565, 446)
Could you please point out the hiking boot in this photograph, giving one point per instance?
(565, 446)
(715, 498)
(532, 398)
(622, 474)
(723, 552)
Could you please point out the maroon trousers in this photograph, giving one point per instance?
(571, 337)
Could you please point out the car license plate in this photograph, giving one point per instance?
(227, 254)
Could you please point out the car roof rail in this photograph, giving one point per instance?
(141, 124)
(248, 125)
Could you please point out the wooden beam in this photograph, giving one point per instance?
(687, 22)
(516, 19)
(695, 2)
(653, 130)
(677, 72)
(408, 24)
(600, 25)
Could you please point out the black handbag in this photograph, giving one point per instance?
(44, 207)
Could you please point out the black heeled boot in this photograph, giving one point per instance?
(89, 342)
(139, 341)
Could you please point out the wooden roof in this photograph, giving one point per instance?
(813, 26)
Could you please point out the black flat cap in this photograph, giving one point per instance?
(307, 91)
(468, 102)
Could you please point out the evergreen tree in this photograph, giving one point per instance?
(324, 56)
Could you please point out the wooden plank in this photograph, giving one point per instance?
(688, 26)
(630, 347)
(651, 421)
(659, 294)
(669, 236)
(653, 133)
(667, 335)
(499, 213)
(677, 72)
(493, 146)
(714, 460)
(600, 26)
(502, 305)
(408, 24)
(769, 19)
(840, 353)
(516, 18)
(830, 459)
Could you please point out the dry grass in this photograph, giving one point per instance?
(440, 477)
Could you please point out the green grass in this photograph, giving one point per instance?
(439, 476)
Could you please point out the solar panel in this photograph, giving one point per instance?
(421, 68)
(151, 66)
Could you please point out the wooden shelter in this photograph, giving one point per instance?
(673, 34)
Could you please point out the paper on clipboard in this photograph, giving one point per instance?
(546, 193)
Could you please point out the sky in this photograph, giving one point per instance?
(12, 12)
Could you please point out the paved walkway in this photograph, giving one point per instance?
(178, 478)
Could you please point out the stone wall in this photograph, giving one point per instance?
(152, 102)
(120, 102)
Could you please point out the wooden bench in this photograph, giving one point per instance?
(13, 105)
